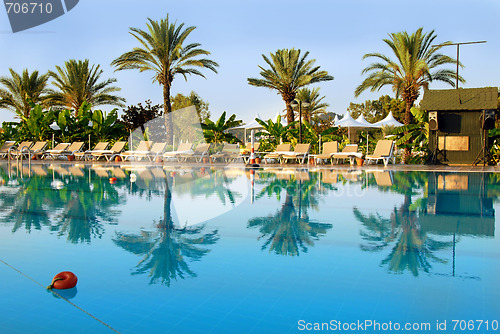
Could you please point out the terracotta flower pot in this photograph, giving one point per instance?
(206, 160)
(118, 159)
(71, 157)
(258, 160)
(360, 161)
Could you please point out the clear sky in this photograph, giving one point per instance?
(336, 33)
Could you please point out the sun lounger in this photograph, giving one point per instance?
(114, 151)
(4, 150)
(143, 148)
(69, 150)
(247, 150)
(229, 152)
(329, 149)
(88, 154)
(299, 153)
(276, 155)
(184, 148)
(350, 151)
(383, 151)
(56, 150)
(201, 151)
(37, 150)
(15, 151)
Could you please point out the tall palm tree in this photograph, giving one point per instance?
(416, 65)
(288, 72)
(164, 52)
(20, 89)
(315, 105)
(78, 83)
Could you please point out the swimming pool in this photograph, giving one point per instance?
(206, 250)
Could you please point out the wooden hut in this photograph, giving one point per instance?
(459, 120)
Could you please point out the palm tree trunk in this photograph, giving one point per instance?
(290, 116)
(167, 107)
(407, 121)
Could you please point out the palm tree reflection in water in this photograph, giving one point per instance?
(290, 231)
(412, 249)
(166, 249)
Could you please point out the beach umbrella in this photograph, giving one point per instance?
(389, 120)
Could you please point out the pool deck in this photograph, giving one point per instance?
(311, 167)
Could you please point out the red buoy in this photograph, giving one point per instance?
(112, 180)
(63, 280)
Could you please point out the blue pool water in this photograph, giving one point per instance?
(191, 250)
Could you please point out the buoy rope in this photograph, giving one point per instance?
(58, 295)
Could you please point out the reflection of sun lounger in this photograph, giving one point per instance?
(329, 176)
(302, 175)
(158, 173)
(101, 171)
(383, 179)
(38, 170)
(119, 173)
(76, 171)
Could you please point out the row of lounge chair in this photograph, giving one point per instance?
(384, 151)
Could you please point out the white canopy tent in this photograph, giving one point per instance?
(252, 125)
(389, 120)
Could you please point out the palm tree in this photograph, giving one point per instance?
(78, 83)
(415, 67)
(163, 52)
(21, 89)
(288, 72)
(315, 106)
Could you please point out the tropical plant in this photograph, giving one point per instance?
(415, 137)
(416, 65)
(275, 132)
(165, 53)
(311, 134)
(287, 73)
(315, 107)
(77, 83)
(22, 89)
(215, 132)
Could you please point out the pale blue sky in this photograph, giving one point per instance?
(336, 33)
